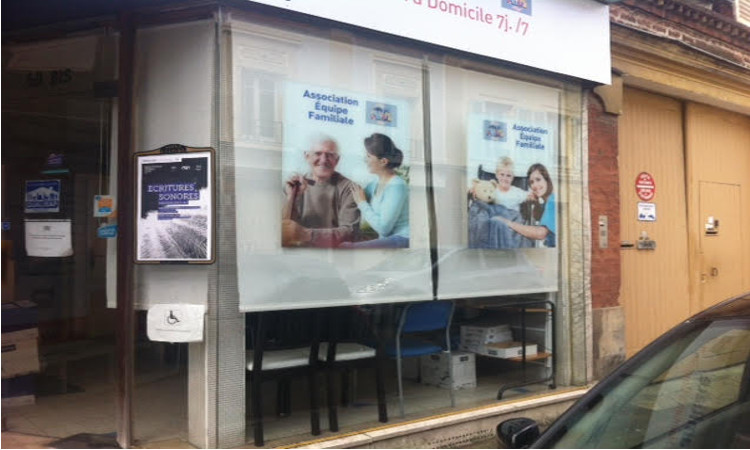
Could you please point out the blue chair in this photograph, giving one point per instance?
(416, 322)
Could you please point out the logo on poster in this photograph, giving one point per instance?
(645, 186)
(522, 6)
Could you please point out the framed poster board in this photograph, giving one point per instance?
(175, 205)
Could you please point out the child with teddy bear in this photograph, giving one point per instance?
(505, 216)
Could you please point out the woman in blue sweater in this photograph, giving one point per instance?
(384, 203)
(539, 213)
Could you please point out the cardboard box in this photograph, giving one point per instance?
(535, 335)
(14, 337)
(18, 391)
(20, 352)
(508, 350)
(19, 315)
(475, 337)
(19, 400)
(434, 370)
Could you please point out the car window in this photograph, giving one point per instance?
(692, 393)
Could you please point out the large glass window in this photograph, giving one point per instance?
(322, 218)
(496, 171)
(368, 177)
(58, 360)
(495, 175)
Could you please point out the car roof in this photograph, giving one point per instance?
(734, 307)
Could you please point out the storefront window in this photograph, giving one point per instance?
(369, 177)
(369, 193)
(58, 334)
(496, 170)
(306, 111)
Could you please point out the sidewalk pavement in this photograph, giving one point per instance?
(11, 439)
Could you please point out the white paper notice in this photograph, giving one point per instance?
(176, 322)
(647, 212)
(49, 238)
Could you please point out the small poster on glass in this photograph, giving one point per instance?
(49, 238)
(42, 196)
(511, 172)
(175, 205)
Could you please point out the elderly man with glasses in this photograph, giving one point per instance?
(320, 210)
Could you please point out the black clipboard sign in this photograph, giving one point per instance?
(175, 205)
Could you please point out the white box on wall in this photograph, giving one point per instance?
(434, 370)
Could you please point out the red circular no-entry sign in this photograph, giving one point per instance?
(645, 186)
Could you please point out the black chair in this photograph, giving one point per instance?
(484, 175)
(352, 342)
(282, 344)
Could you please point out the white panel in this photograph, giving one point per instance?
(283, 85)
(472, 261)
(564, 36)
(173, 105)
(173, 85)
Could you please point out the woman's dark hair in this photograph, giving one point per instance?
(381, 146)
(531, 209)
(545, 174)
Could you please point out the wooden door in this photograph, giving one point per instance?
(720, 256)
(718, 160)
(654, 287)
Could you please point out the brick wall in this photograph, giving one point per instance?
(604, 192)
(681, 21)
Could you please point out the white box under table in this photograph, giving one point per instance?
(434, 370)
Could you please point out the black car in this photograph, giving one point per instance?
(690, 388)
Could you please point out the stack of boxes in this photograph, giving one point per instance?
(495, 340)
(20, 353)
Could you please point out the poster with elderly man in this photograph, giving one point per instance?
(330, 213)
(345, 170)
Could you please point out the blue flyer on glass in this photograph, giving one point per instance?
(42, 196)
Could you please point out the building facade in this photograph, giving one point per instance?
(677, 110)
(162, 167)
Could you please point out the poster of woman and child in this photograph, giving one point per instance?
(511, 190)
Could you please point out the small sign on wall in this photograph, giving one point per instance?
(647, 212)
(49, 238)
(176, 322)
(645, 186)
(42, 196)
(104, 206)
(175, 206)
